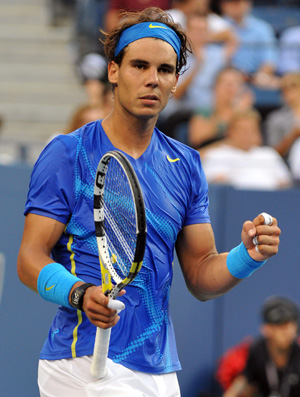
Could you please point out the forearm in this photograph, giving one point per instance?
(29, 265)
(209, 274)
(211, 278)
(285, 144)
(237, 387)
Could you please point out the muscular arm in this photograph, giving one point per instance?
(39, 237)
(205, 271)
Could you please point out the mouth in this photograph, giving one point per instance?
(151, 98)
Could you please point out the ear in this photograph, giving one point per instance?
(113, 70)
(174, 88)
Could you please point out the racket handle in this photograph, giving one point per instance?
(98, 366)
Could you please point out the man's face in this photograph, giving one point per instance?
(197, 30)
(230, 84)
(245, 133)
(235, 9)
(281, 336)
(146, 77)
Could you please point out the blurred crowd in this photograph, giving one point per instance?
(238, 101)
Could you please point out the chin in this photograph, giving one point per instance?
(148, 113)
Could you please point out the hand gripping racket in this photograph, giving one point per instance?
(120, 223)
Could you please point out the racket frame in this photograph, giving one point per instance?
(98, 367)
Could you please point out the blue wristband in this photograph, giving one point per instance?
(240, 264)
(55, 283)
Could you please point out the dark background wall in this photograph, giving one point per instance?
(204, 330)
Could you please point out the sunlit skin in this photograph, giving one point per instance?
(143, 84)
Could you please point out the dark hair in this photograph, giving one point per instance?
(151, 14)
(279, 310)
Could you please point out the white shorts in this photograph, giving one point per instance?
(71, 378)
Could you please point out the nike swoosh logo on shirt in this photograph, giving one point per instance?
(172, 160)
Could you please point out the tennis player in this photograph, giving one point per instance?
(58, 256)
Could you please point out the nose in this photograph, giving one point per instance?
(152, 77)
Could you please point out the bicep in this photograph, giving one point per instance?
(195, 242)
(194, 245)
(39, 237)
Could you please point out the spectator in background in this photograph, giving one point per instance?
(195, 86)
(219, 30)
(272, 367)
(231, 95)
(116, 7)
(87, 49)
(84, 114)
(294, 160)
(289, 51)
(256, 55)
(232, 363)
(60, 11)
(241, 161)
(282, 126)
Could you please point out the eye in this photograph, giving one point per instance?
(166, 69)
(140, 66)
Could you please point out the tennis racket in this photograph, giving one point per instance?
(120, 224)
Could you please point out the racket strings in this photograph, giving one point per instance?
(120, 246)
(120, 218)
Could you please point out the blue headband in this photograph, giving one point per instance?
(149, 29)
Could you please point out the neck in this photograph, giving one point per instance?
(128, 133)
(280, 356)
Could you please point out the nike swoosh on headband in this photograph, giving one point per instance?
(149, 29)
(157, 26)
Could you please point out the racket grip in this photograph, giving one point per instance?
(98, 366)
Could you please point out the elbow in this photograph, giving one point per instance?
(25, 273)
(21, 269)
(203, 295)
